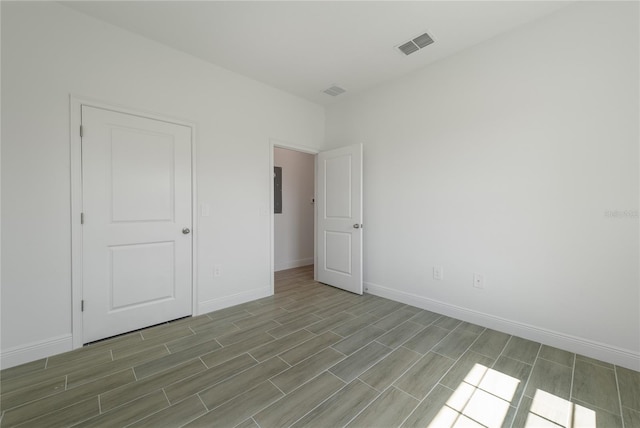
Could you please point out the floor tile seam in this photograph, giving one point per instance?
(48, 377)
(207, 410)
(526, 385)
(468, 400)
(238, 395)
(478, 388)
(209, 386)
(129, 401)
(455, 361)
(188, 360)
(24, 403)
(411, 337)
(263, 407)
(615, 373)
(437, 343)
(55, 410)
(553, 423)
(343, 357)
(322, 402)
(595, 362)
(139, 418)
(160, 387)
(598, 408)
(389, 314)
(573, 374)
(371, 402)
(280, 352)
(86, 418)
(572, 366)
(439, 382)
(240, 329)
(366, 344)
(324, 319)
(397, 377)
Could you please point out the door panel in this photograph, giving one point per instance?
(136, 201)
(141, 176)
(339, 231)
(141, 274)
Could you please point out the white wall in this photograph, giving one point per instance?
(293, 229)
(50, 52)
(503, 160)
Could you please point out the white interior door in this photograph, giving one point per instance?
(136, 240)
(339, 227)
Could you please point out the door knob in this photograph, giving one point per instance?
(186, 230)
(356, 226)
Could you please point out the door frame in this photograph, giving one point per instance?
(273, 143)
(75, 110)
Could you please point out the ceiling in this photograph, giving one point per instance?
(304, 47)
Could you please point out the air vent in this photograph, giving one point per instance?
(408, 48)
(416, 44)
(334, 91)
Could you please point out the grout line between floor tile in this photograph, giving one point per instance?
(441, 377)
(205, 406)
(284, 394)
(615, 372)
(371, 402)
(524, 390)
(573, 373)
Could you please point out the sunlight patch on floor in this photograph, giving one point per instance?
(484, 397)
(481, 400)
(552, 411)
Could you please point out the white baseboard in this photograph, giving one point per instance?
(611, 354)
(35, 350)
(293, 264)
(235, 299)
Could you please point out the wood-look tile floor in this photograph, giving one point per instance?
(312, 355)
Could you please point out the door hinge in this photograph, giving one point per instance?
(82, 306)
(81, 131)
(81, 218)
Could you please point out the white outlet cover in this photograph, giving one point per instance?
(478, 281)
(438, 272)
(217, 270)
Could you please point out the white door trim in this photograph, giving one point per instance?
(273, 143)
(75, 105)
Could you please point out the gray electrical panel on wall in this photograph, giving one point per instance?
(277, 189)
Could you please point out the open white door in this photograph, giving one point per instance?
(339, 216)
(136, 237)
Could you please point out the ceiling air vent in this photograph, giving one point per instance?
(416, 44)
(334, 91)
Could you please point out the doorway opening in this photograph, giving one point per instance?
(335, 236)
(293, 208)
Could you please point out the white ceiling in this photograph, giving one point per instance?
(303, 47)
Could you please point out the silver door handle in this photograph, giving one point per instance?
(356, 226)
(186, 230)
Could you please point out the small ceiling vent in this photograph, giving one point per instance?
(416, 44)
(334, 91)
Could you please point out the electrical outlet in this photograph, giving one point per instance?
(478, 281)
(217, 270)
(438, 273)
